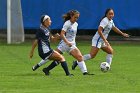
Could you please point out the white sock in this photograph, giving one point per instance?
(42, 62)
(109, 58)
(82, 66)
(87, 57)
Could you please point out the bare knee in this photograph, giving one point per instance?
(111, 51)
(58, 57)
(93, 55)
(61, 58)
(79, 58)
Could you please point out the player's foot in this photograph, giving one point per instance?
(86, 73)
(35, 67)
(74, 65)
(46, 71)
(70, 75)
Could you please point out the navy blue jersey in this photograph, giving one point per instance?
(43, 37)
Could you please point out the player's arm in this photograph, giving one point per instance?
(33, 48)
(62, 35)
(115, 29)
(54, 37)
(100, 29)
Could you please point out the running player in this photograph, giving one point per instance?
(99, 40)
(68, 35)
(43, 37)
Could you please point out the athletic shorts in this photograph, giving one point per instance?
(65, 48)
(98, 43)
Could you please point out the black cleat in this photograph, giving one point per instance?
(46, 71)
(35, 67)
(86, 73)
(74, 65)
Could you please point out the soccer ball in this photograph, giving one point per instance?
(104, 66)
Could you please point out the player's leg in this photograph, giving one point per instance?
(55, 61)
(109, 51)
(60, 49)
(42, 62)
(77, 55)
(94, 50)
(96, 45)
(58, 58)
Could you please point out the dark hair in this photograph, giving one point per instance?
(68, 15)
(41, 19)
(106, 12)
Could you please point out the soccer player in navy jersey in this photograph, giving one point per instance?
(43, 37)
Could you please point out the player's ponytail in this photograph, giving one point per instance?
(68, 15)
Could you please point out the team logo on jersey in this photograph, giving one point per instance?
(47, 32)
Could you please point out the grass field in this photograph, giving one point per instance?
(16, 75)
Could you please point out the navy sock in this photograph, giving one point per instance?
(65, 67)
(52, 65)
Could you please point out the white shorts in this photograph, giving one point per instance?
(65, 48)
(97, 43)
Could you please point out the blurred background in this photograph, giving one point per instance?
(127, 16)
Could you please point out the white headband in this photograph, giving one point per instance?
(45, 18)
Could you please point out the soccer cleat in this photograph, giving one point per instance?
(86, 73)
(46, 71)
(35, 67)
(74, 65)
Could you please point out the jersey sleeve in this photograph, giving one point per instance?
(103, 23)
(113, 24)
(66, 26)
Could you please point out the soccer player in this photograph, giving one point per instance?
(68, 35)
(99, 40)
(68, 43)
(43, 37)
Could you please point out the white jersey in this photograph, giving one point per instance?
(107, 26)
(71, 30)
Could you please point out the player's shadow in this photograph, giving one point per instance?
(27, 74)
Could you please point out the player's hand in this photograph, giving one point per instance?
(107, 43)
(69, 44)
(125, 35)
(57, 36)
(31, 54)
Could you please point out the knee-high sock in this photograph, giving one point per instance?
(109, 58)
(82, 66)
(52, 65)
(65, 67)
(87, 57)
(42, 62)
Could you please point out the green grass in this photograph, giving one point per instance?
(16, 75)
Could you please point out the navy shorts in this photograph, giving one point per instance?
(46, 55)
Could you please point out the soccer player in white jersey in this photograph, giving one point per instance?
(99, 40)
(68, 35)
